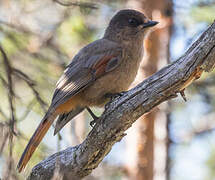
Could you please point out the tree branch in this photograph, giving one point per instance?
(120, 114)
(12, 120)
(80, 4)
(31, 84)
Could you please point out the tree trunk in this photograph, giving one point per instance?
(156, 54)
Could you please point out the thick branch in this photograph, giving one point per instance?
(80, 160)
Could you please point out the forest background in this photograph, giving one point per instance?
(174, 142)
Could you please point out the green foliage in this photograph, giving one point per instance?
(14, 41)
(74, 33)
(203, 14)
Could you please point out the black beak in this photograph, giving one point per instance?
(150, 24)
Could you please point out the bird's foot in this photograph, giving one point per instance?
(93, 122)
(95, 118)
(183, 95)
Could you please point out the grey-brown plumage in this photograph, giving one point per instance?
(106, 66)
(123, 37)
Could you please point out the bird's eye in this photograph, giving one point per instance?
(133, 22)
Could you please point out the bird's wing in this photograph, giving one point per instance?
(92, 62)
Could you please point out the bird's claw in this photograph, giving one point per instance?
(93, 122)
(121, 93)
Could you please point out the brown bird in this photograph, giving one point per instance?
(100, 70)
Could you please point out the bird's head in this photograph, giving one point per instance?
(128, 24)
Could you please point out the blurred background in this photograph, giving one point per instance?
(39, 38)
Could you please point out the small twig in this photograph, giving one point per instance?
(10, 165)
(4, 140)
(4, 83)
(24, 76)
(6, 86)
(31, 85)
(80, 4)
(42, 103)
(3, 114)
(44, 41)
(17, 27)
(28, 110)
(9, 70)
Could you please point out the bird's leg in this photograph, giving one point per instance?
(120, 93)
(95, 118)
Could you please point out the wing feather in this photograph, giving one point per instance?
(84, 69)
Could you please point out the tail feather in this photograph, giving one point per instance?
(63, 119)
(35, 140)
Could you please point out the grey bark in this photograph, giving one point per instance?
(77, 162)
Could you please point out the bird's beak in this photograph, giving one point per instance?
(149, 24)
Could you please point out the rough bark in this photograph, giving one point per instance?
(156, 52)
(79, 161)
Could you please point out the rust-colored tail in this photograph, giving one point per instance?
(35, 140)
